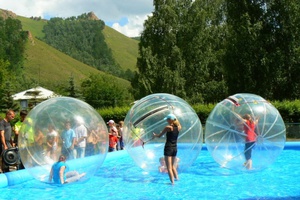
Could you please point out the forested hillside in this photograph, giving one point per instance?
(36, 63)
(82, 38)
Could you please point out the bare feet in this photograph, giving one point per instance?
(248, 164)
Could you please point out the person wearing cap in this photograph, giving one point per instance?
(113, 136)
(59, 172)
(170, 150)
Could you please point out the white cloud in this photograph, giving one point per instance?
(107, 10)
(133, 28)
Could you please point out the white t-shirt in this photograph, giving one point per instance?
(51, 135)
(81, 131)
(50, 138)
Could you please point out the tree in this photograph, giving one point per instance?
(262, 53)
(243, 52)
(282, 25)
(160, 63)
(72, 91)
(203, 44)
(7, 101)
(99, 91)
(13, 40)
(181, 50)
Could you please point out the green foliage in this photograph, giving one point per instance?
(289, 110)
(203, 111)
(72, 90)
(181, 50)
(6, 99)
(160, 63)
(4, 73)
(82, 39)
(12, 43)
(115, 113)
(7, 88)
(204, 51)
(262, 53)
(99, 91)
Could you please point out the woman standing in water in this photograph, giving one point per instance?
(249, 129)
(170, 150)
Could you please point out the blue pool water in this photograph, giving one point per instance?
(119, 178)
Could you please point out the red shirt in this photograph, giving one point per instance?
(249, 128)
(113, 141)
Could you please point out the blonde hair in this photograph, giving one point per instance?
(176, 122)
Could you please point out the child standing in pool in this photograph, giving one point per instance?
(249, 129)
(170, 150)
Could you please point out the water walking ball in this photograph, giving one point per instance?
(49, 130)
(245, 132)
(147, 117)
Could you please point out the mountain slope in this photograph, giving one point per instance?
(50, 67)
(124, 49)
(34, 26)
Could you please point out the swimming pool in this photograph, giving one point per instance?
(119, 178)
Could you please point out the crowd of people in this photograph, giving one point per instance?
(73, 140)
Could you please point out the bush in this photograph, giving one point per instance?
(203, 111)
(289, 110)
(115, 113)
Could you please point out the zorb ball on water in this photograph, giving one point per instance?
(147, 117)
(43, 138)
(236, 143)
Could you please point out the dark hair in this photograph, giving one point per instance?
(62, 158)
(23, 112)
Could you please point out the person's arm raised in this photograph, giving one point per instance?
(166, 129)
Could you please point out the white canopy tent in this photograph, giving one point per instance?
(33, 96)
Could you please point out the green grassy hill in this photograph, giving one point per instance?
(124, 49)
(51, 68)
(34, 26)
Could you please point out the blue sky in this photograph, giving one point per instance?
(122, 22)
(126, 16)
